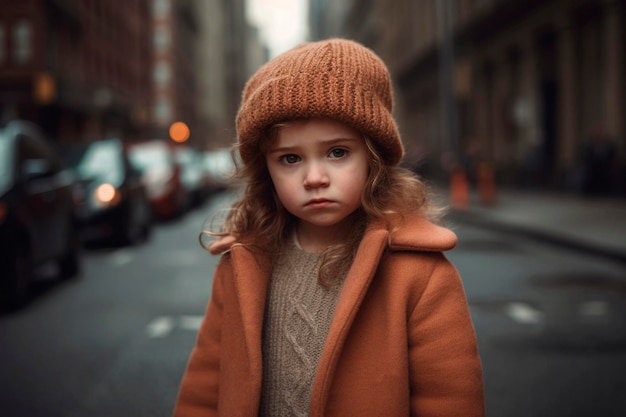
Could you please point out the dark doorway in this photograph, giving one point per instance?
(548, 95)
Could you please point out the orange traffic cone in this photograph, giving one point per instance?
(459, 189)
(486, 184)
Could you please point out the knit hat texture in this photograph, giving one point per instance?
(337, 79)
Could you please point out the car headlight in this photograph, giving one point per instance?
(106, 195)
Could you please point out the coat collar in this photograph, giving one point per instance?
(418, 234)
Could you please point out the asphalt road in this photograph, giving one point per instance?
(114, 342)
(551, 326)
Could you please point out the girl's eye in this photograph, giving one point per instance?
(338, 153)
(290, 159)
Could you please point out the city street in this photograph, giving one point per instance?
(550, 324)
(113, 343)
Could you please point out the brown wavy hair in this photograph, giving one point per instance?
(259, 221)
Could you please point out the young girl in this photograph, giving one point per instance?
(332, 296)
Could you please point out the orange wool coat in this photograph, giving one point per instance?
(401, 343)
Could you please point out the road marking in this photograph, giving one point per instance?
(594, 308)
(163, 326)
(190, 322)
(120, 257)
(160, 326)
(523, 313)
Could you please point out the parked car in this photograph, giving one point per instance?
(112, 201)
(37, 214)
(161, 175)
(193, 175)
(220, 167)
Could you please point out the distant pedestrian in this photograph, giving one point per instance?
(332, 296)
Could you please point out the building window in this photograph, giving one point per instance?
(160, 8)
(162, 74)
(163, 111)
(22, 41)
(162, 39)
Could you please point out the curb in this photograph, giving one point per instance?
(477, 219)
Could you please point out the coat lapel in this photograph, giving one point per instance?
(354, 289)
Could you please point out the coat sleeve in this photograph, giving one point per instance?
(445, 369)
(199, 389)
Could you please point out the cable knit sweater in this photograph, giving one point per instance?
(297, 317)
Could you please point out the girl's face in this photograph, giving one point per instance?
(319, 169)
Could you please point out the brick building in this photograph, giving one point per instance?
(80, 69)
(174, 64)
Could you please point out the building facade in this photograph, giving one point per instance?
(80, 69)
(229, 51)
(175, 29)
(89, 69)
(522, 84)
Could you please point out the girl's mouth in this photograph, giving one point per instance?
(318, 203)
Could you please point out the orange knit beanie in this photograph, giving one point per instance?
(337, 79)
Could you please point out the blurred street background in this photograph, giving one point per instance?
(115, 124)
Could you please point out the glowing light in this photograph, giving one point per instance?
(3, 211)
(179, 132)
(44, 87)
(105, 193)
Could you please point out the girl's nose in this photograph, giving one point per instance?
(315, 177)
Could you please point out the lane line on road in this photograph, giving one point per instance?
(594, 308)
(163, 326)
(160, 326)
(190, 322)
(523, 313)
(120, 257)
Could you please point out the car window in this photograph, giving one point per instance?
(6, 163)
(102, 160)
(31, 148)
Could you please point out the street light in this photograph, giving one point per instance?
(179, 132)
(44, 88)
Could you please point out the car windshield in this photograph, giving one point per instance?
(102, 160)
(6, 162)
(149, 155)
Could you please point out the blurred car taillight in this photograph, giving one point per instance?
(4, 210)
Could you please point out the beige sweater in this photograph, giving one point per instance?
(298, 314)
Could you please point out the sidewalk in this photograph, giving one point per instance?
(595, 225)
